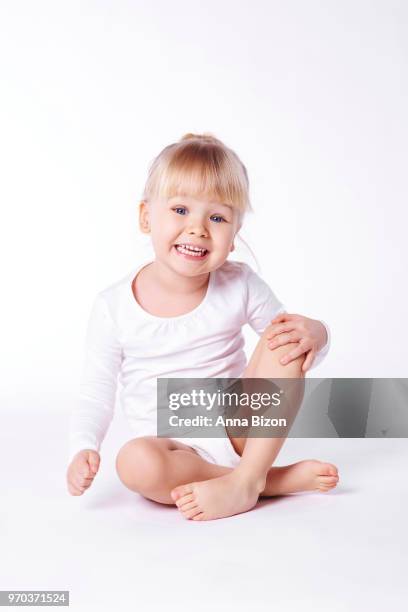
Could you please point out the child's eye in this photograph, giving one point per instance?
(184, 210)
(218, 217)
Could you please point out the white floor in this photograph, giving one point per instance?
(346, 550)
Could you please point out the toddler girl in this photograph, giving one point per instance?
(180, 316)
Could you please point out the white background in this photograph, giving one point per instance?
(311, 95)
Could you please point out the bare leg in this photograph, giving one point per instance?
(154, 466)
(238, 491)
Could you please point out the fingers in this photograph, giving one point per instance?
(78, 484)
(93, 461)
(81, 481)
(284, 339)
(279, 328)
(88, 466)
(294, 354)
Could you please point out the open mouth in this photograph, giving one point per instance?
(191, 252)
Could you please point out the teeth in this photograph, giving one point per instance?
(193, 248)
(195, 251)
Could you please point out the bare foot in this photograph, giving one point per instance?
(231, 494)
(216, 498)
(309, 475)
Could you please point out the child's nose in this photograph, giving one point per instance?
(198, 228)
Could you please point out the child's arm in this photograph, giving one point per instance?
(94, 411)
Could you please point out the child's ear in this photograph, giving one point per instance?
(144, 218)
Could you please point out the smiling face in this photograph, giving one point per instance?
(181, 224)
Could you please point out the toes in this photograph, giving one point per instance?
(326, 486)
(190, 514)
(327, 469)
(199, 517)
(192, 504)
(328, 480)
(332, 470)
(178, 492)
(185, 500)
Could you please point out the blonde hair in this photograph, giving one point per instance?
(199, 165)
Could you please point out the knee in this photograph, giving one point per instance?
(140, 464)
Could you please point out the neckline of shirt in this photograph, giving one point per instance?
(153, 317)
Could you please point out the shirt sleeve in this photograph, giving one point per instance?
(263, 306)
(103, 357)
(262, 303)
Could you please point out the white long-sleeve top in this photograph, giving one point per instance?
(127, 345)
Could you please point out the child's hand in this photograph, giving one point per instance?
(309, 333)
(82, 471)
